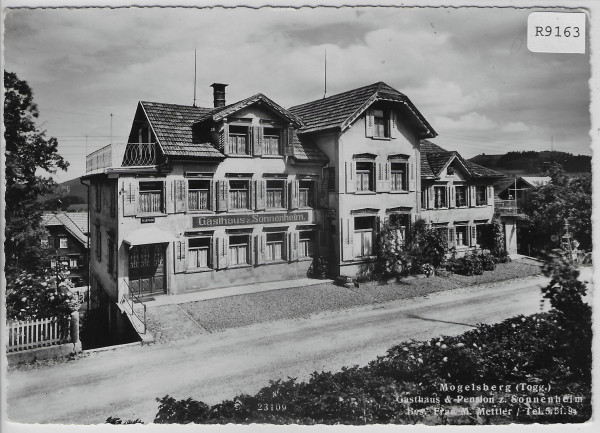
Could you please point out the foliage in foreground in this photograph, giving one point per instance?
(413, 382)
(27, 153)
(40, 295)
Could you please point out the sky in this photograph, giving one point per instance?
(468, 70)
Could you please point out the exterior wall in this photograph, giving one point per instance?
(100, 216)
(74, 249)
(381, 202)
(510, 234)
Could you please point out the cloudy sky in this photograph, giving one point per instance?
(467, 70)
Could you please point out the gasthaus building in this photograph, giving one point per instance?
(202, 198)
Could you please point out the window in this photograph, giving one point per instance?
(275, 247)
(151, 197)
(44, 243)
(271, 141)
(461, 195)
(238, 249)
(329, 173)
(63, 243)
(113, 199)
(98, 243)
(199, 253)
(306, 246)
(381, 121)
(364, 176)
(111, 256)
(364, 235)
(73, 262)
(238, 140)
(400, 222)
(399, 172)
(53, 263)
(439, 194)
(98, 197)
(199, 194)
(275, 194)
(239, 194)
(424, 199)
(306, 196)
(480, 195)
(462, 239)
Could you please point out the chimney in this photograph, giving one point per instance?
(219, 94)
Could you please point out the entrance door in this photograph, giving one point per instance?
(147, 269)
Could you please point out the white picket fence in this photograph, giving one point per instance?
(31, 334)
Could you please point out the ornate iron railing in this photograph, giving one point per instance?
(140, 154)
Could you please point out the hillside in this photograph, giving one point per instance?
(72, 195)
(532, 162)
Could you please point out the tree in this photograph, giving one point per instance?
(27, 153)
(563, 199)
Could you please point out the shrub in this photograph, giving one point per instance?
(488, 261)
(469, 264)
(521, 349)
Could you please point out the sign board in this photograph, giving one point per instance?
(147, 220)
(248, 219)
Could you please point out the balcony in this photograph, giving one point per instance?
(507, 208)
(122, 155)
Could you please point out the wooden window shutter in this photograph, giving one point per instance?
(260, 191)
(130, 197)
(294, 187)
(490, 195)
(473, 235)
(393, 124)
(379, 176)
(180, 195)
(224, 139)
(451, 198)
(257, 133)
(369, 123)
(412, 182)
(251, 202)
(288, 141)
(213, 195)
(250, 250)
(214, 249)
(451, 242)
(387, 177)
(222, 252)
(293, 255)
(259, 245)
(347, 226)
(472, 201)
(180, 255)
(430, 197)
(322, 188)
(222, 195)
(350, 176)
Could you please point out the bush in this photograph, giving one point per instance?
(522, 349)
(469, 264)
(488, 262)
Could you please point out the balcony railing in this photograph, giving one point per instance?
(122, 155)
(506, 207)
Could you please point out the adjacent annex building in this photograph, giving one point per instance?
(202, 198)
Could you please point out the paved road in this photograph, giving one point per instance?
(216, 366)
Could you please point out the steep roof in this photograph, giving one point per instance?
(75, 223)
(339, 111)
(172, 126)
(535, 181)
(304, 151)
(219, 113)
(435, 158)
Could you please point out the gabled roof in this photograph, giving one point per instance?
(220, 113)
(341, 110)
(172, 126)
(75, 223)
(434, 159)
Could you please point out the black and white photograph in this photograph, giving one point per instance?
(315, 215)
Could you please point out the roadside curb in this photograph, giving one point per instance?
(112, 348)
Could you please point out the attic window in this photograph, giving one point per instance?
(381, 122)
(450, 171)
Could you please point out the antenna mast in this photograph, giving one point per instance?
(325, 92)
(195, 62)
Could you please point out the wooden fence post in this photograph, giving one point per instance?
(75, 327)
